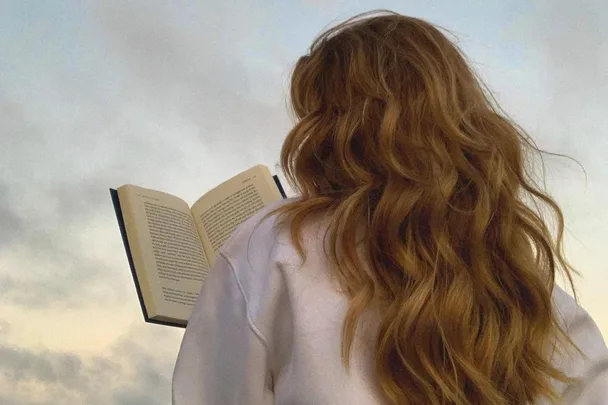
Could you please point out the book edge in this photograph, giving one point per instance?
(125, 240)
(279, 185)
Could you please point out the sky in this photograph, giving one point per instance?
(181, 95)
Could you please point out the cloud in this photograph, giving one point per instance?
(574, 36)
(12, 224)
(64, 282)
(197, 66)
(570, 42)
(54, 194)
(135, 370)
(5, 328)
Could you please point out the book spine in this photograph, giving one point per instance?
(279, 186)
(125, 241)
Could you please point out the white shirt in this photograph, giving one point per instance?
(267, 330)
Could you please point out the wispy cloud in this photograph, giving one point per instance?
(571, 42)
(192, 67)
(131, 371)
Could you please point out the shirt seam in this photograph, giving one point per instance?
(250, 322)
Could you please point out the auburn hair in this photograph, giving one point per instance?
(396, 135)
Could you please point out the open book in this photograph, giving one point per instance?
(171, 246)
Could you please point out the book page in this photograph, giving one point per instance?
(219, 212)
(170, 257)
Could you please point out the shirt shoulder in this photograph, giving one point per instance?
(255, 252)
(578, 323)
(590, 365)
(255, 235)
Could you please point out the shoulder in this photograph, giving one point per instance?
(574, 317)
(255, 254)
(257, 235)
(582, 330)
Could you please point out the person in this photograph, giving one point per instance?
(411, 267)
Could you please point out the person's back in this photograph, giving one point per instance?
(409, 270)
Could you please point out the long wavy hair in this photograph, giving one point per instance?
(396, 135)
